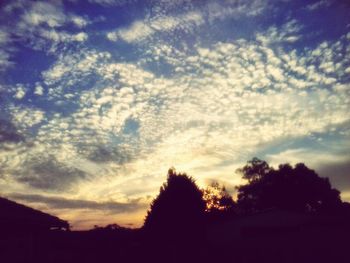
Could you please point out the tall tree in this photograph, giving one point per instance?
(178, 209)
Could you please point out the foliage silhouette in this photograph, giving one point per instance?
(217, 198)
(297, 188)
(220, 205)
(254, 170)
(179, 208)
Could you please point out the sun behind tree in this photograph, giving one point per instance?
(217, 198)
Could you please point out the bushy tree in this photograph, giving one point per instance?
(178, 209)
(298, 188)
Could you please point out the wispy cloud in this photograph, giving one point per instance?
(43, 13)
(5, 60)
(141, 30)
(64, 203)
(289, 33)
(40, 25)
(217, 10)
(318, 5)
(112, 2)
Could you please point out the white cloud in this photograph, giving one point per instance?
(187, 22)
(25, 118)
(141, 30)
(79, 21)
(111, 2)
(218, 11)
(73, 67)
(44, 13)
(192, 119)
(41, 25)
(82, 36)
(318, 5)
(113, 36)
(20, 92)
(289, 32)
(59, 36)
(136, 32)
(39, 90)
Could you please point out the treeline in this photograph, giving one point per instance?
(182, 205)
(181, 222)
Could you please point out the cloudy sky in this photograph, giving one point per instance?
(100, 97)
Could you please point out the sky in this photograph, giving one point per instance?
(99, 98)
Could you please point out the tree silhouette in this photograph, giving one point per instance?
(254, 170)
(217, 199)
(219, 203)
(297, 188)
(178, 209)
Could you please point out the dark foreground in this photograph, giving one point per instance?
(323, 240)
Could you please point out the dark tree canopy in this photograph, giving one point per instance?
(179, 206)
(298, 188)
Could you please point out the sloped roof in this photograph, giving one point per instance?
(14, 214)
